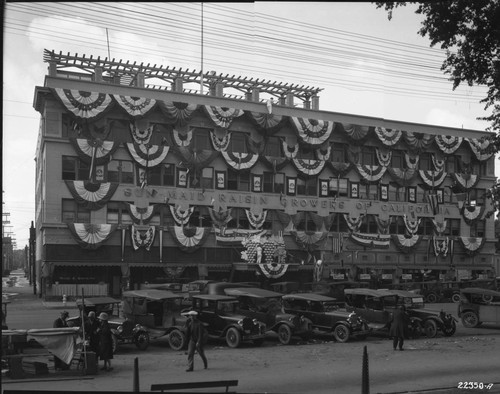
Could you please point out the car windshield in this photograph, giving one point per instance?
(266, 305)
(227, 307)
(330, 306)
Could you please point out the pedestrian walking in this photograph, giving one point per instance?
(196, 336)
(105, 342)
(60, 322)
(398, 327)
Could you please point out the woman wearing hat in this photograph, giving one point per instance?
(105, 342)
(60, 322)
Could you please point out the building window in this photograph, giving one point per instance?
(396, 192)
(274, 183)
(425, 162)
(339, 153)
(207, 178)
(476, 197)
(201, 139)
(339, 224)
(201, 218)
(307, 224)
(369, 225)
(479, 167)
(305, 152)
(397, 225)
(273, 147)
(368, 156)
(338, 187)
(74, 213)
(426, 227)
(398, 159)
(238, 143)
(307, 187)
(117, 213)
(121, 171)
(477, 229)
(453, 164)
(369, 192)
(239, 219)
(74, 169)
(238, 180)
(453, 227)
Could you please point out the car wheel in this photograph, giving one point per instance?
(233, 337)
(284, 334)
(487, 298)
(455, 297)
(142, 340)
(449, 331)
(470, 319)
(430, 328)
(431, 298)
(177, 340)
(341, 333)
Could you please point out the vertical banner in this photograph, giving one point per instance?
(257, 183)
(161, 245)
(323, 188)
(412, 193)
(99, 173)
(384, 192)
(291, 186)
(182, 174)
(220, 180)
(440, 196)
(354, 190)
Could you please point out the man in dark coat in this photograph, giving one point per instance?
(60, 322)
(105, 342)
(398, 327)
(195, 335)
(91, 332)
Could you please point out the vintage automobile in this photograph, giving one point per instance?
(430, 321)
(218, 288)
(326, 315)
(265, 306)
(220, 315)
(152, 314)
(288, 287)
(333, 289)
(377, 307)
(478, 305)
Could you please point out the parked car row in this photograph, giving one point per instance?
(248, 314)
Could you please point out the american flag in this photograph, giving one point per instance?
(433, 201)
(337, 243)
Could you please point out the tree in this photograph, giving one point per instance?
(469, 31)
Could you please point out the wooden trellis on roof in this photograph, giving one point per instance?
(127, 72)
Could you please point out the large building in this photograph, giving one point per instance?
(151, 174)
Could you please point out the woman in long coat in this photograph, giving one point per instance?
(398, 327)
(105, 342)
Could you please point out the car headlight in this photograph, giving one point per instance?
(240, 322)
(119, 329)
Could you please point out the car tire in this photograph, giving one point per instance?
(430, 328)
(455, 298)
(233, 337)
(341, 333)
(177, 340)
(449, 331)
(487, 298)
(470, 319)
(284, 334)
(431, 298)
(141, 340)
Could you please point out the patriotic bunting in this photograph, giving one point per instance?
(376, 241)
(339, 169)
(402, 177)
(276, 163)
(220, 144)
(141, 136)
(324, 153)
(135, 106)
(190, 239)
(406, 244)
(312, 131)
(309, 167)
(176, 112)
(147, 155)
(371, 174)
(472, 213)
(222, 116)
(181, 216)
(411, 225)
(240, 161)
(337, 243)
(461, 199)
(440, 227)
(431, 178)
(85, 105)
(256, 220)
(356, 133)
(182, 140)
(384, 156)
(92, 196)
(472, 245)
(142, 238)
(411, 161)
(440, 245)
(448, 144)
(235, 237)
(353, 223)
(438, 163)
(382, 225)
(419, 141)
(269, 123)
(433, 201)
(290, 151)
(389, 137)
(309, 240)
(480, 148)
(220, 218)
(96, 151)
(142, 215)
(91, 236)
(465, 182)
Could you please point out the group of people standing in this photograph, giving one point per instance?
(98, 333)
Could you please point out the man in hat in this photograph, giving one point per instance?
(196, 336)
(60, 322)
(399, 322)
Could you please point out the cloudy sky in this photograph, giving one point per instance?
(365, 64)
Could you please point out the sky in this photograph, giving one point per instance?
(365, 64)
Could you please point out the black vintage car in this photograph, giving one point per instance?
(265, 306)
(377, 307)
(326, 315)
(478, 305)
(220, 315)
